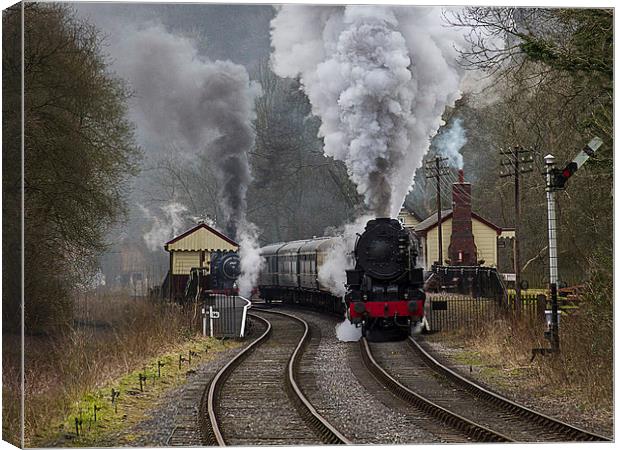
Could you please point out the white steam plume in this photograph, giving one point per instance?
(379, 78)
(450, 142)
(339, 257)
(171, 220)
(347, 332)
(249, 254)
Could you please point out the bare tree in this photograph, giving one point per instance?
(79, 153)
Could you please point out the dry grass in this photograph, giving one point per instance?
(112, 335)
(583, 371)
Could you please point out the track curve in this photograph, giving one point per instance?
(256, 397)
(555, 429)
(473, 430)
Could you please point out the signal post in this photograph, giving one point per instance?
(556, 181)
(553, 252)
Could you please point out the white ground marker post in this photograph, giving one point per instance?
(211, 317)
(204, 321)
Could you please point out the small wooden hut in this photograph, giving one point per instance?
(193, 249)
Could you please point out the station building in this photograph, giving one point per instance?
(468, 239)
(190, 249)
(408, 218)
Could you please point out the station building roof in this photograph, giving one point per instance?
(199, 238)
(431, 221)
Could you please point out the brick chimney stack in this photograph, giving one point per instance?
(462, 249)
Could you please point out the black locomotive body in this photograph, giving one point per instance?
(225, 269)
(385, 289)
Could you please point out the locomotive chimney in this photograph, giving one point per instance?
(462, 249)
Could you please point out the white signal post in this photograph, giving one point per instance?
(551, 222)
(553, 255)
(552, 187)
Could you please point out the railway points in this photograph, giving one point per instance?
(417, 371)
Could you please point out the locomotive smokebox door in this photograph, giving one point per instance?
(378, 249)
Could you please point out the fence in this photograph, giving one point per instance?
(452, 312)
(474, 281)
(537, 276)
(225, 315)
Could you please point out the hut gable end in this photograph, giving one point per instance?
(201, 238)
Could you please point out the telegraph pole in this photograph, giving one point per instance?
(515, 158)
(435, 169)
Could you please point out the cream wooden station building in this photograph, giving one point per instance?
(190, 249)
(485, 233)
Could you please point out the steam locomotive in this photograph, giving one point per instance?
(219, 278)
(383, 290)
(385, 287)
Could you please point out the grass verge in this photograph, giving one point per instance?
(575, 385)
(134, 402)
(112, 336)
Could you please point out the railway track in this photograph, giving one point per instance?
(350, 397)
(556, 428)
(256, 398)
(414, 375)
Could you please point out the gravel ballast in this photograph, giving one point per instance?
(365, 414)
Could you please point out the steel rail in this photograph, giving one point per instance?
(212, 435)
(473, 430)
(326, 431)
(574, 433)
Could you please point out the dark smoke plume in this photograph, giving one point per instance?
(190, 105)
